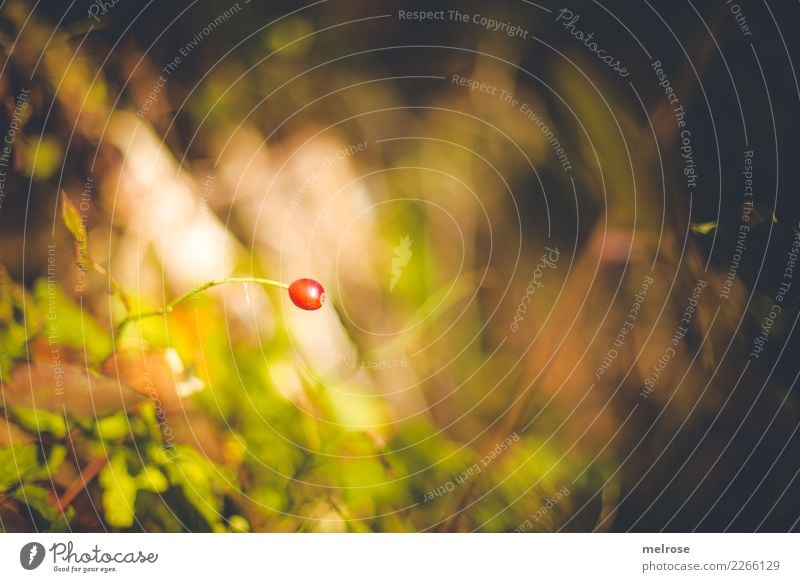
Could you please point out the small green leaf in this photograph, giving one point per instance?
(72, 325)
(37, 498)
(238, 524)
(119, 491)
(157, 454)
(57, 455)
(113, 428)
(41, 161)
(20, 321)
(703, 227)
(71, 218)
(20, 463)
(74, 223)
(198, 477)
(17, 463)
(151, 479)
(147, 412)
(41, 421)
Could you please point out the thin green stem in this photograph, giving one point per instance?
(192, 293)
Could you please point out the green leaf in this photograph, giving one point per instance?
(113, 428)
(703, 227)
(119, 491)
(57, 455)
(197, 489)
(22, 462)
(19, 320)
(70, 324)
(238, 524)
(40, 421)
(72, 219)
(37, 498)
(156, 453)
(17, 463)
(120, 488)
(147, 413)
(151, 479)
(41, 161)
(76, 227)
(197, 478)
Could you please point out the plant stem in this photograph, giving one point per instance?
(192, 293)
(79, 483)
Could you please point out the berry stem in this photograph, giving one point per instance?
(192, 293)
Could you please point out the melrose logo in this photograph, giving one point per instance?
(31, 555)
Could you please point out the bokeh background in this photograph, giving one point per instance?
(508, 230)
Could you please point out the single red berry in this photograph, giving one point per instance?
(307, 294)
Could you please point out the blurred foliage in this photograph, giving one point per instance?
(265, 463)
(233, 414)
(183, 424)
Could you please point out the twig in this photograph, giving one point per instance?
(78, 484)
(192, 293)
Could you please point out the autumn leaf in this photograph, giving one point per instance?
(80, 250)
(72, 219)
(69, 389)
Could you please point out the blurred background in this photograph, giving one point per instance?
(541, 303)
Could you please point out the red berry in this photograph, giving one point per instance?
(307, 294)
